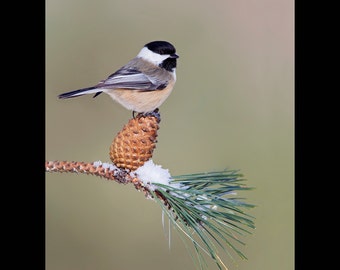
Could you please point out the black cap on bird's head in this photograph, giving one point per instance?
(162, 47)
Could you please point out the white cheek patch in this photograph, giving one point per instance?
(152, 57)
(174, 73)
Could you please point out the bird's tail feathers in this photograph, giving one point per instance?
(80, 92)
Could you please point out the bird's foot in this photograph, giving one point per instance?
(155, 113)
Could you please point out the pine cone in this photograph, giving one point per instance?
(134, 144)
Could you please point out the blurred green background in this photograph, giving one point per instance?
(232, 107)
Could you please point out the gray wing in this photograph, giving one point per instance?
(131, 79)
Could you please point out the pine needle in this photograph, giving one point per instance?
(203, 207)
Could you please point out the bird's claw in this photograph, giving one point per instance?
(155, 113)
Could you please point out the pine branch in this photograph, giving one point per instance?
(202, 206)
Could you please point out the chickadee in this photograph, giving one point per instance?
(144, 83)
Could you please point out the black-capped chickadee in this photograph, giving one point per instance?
(144, 83)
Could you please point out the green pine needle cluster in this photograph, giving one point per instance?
(205, 208)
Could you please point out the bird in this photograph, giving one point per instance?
(141, 85)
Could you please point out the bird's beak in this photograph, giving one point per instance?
(174, 56)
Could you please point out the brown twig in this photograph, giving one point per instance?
(103, 170)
